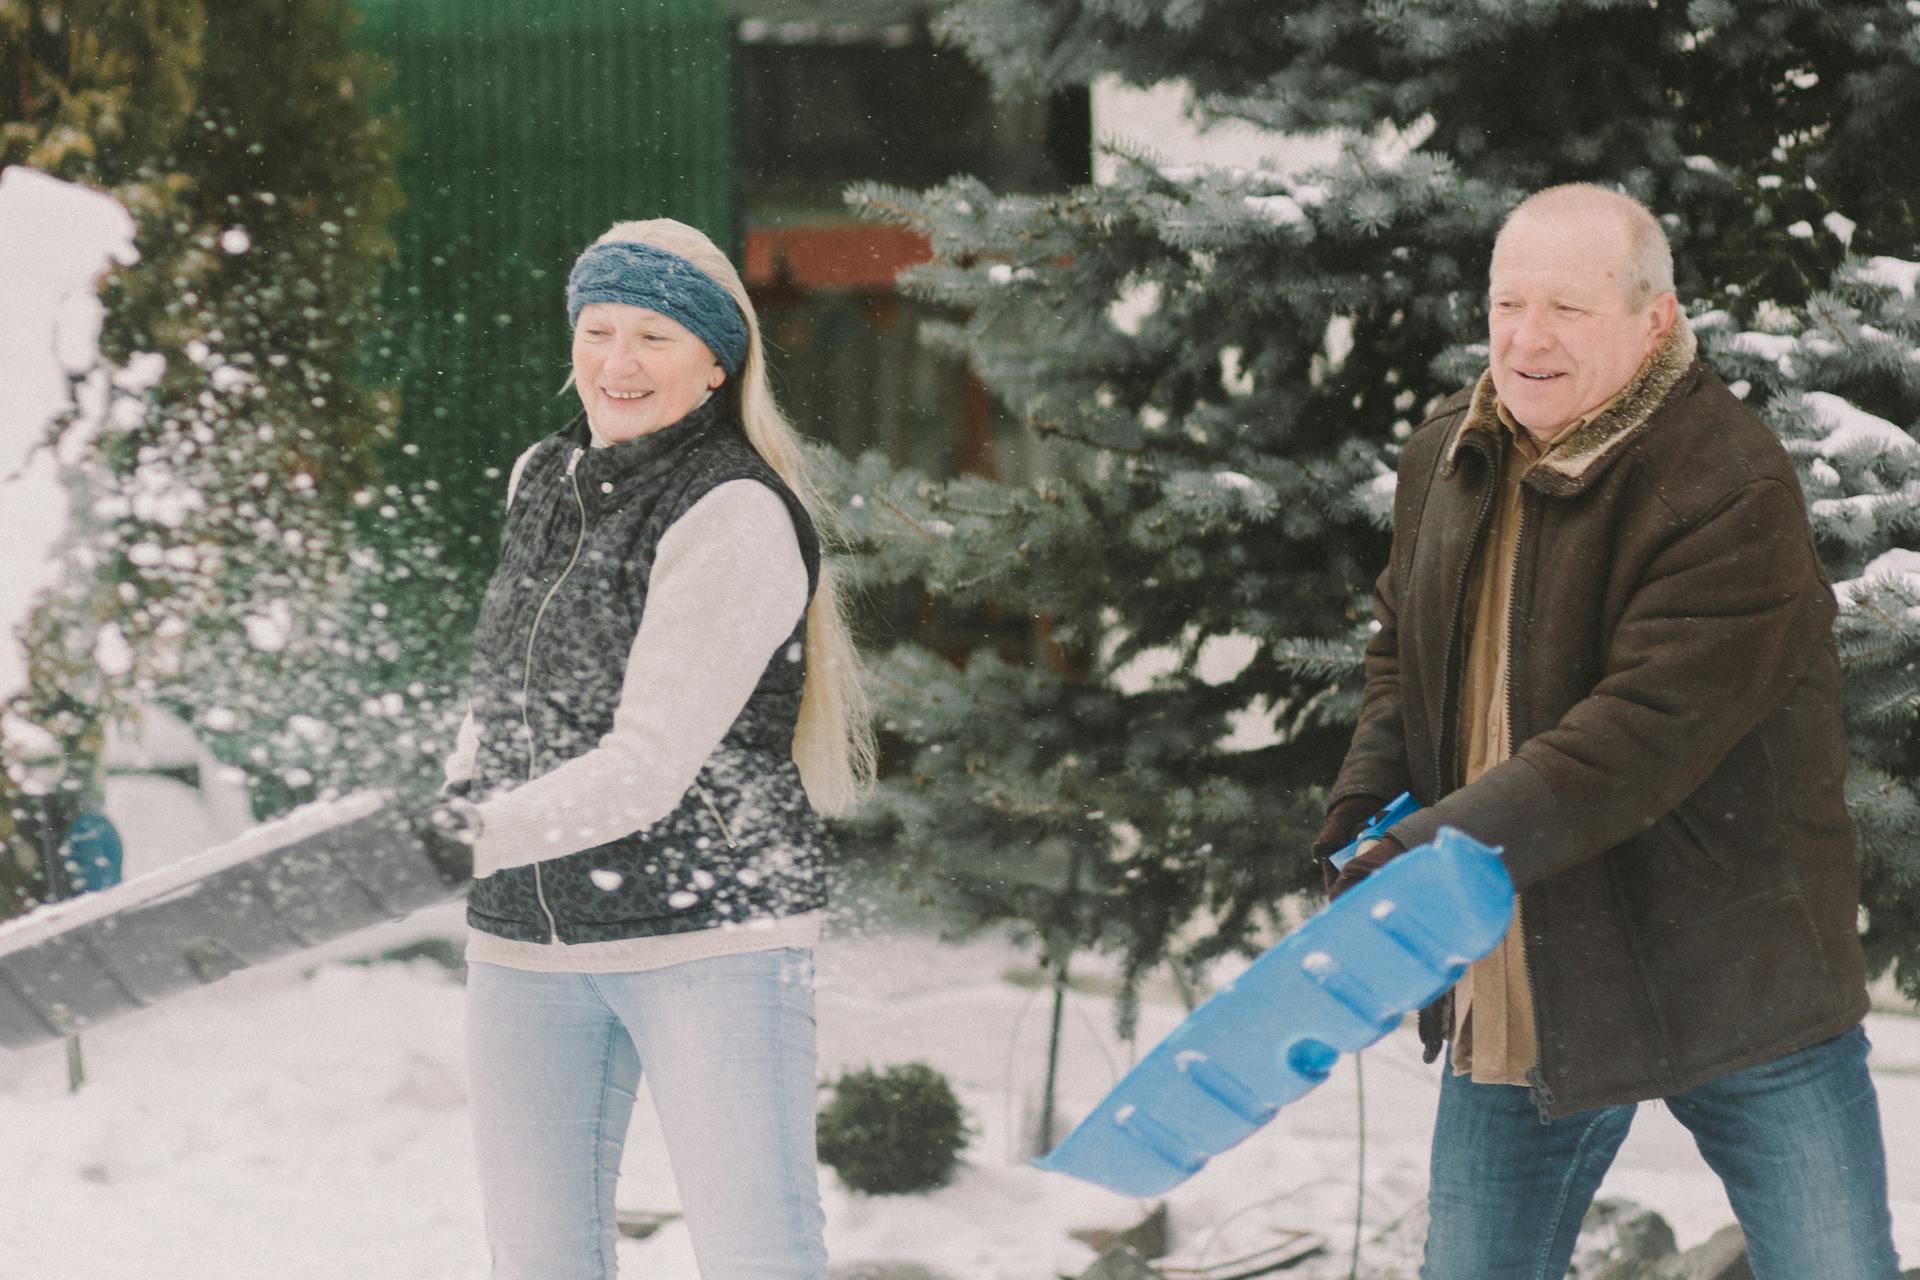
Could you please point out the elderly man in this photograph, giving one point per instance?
(1605, 644)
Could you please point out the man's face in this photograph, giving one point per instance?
(1564, 337)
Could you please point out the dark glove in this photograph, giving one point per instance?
(1343, 823)
(1365, 863)
(448, 832)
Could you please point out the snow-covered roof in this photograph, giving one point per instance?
(55, 240)
(160, 740)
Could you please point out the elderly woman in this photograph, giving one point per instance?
(662, 695)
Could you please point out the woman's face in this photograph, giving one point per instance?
(637, 370)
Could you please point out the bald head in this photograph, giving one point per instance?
(1646, 258)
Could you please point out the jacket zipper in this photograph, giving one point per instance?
(714, 809)
(1538, 1090)
(1442, 778)
(526, 679)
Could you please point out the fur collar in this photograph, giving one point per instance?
(1573, 460)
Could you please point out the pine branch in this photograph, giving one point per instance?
(919, 528)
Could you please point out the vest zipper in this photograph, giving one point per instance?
(714, 809)
(526, 679)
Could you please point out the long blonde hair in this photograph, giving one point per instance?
(833, 743)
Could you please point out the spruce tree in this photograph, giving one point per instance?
(219, 563)
(1222, 364)
(1839, 380)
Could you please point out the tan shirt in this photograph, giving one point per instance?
(1493, 1039)
(1493, 1031)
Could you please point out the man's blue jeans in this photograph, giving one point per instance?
(727, 1045)
(1796, 1143)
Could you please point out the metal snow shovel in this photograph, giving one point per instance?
(321, 872)
(1339, 982)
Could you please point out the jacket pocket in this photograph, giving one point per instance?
(1731, 822)
(1756, 977)
(1686, 871)
(1689, 834)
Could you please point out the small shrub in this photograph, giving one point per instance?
(896, 1130)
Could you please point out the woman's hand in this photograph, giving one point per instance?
(449, 831)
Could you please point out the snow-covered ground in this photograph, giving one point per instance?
(307, 1121)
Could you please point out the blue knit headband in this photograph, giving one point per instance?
(641, 275)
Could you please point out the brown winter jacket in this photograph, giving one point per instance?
(1672, 811)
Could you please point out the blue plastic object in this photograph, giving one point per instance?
(1397, 808)
(1338, 983)
(92, 852)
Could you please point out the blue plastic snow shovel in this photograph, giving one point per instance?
(1339, 982)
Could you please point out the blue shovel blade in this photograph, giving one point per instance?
(1336, 984)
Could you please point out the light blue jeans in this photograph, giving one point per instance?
(1796, 1143)
(727, 1046)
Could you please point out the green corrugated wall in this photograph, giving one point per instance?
(529, 127)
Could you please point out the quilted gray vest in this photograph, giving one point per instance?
(549, 658)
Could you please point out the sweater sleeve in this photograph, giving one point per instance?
(519, 469)
(728, 585)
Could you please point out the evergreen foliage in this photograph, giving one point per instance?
(1839, 380)
(227, 557)
(892, 1131)
(1224, 362)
